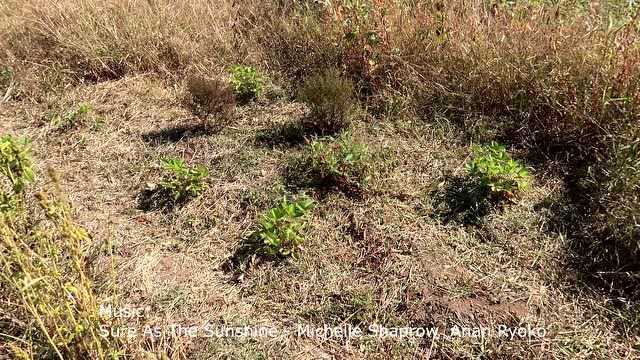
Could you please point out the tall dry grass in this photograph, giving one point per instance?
(102, 40)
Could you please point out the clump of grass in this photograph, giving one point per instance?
(70, 118)
(621, 194)
(15, 162)
(340, 162)
(17, 169)
(281, 227)
(247, 82)
(330, 98)
(497, 171)
(209, 97)
(183, 181)
(8, 87)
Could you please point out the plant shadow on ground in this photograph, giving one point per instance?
(599, 261)
(177, 133)
(289, 134)
(158, 199)
(248, 254)
(292, 133)
(464, 201)
(320, 187)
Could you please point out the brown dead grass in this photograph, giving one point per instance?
(384, 259)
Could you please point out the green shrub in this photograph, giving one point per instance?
(335, 162)
(70, 118)
(246, 82)
(183, 181)
(330, 98)
(497, 171)
(210, 97)
(281, 227)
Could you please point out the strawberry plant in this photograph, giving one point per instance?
(497, 171)
(246, 81)
(183, 181)
(281, 227)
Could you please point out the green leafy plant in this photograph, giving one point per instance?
(246, 81)
(183, 181)
(70, 118)
(330, 98)
(281, 227)
(336, 161)
(496, 170)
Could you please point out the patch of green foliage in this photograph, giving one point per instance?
(281, 227)
(246, 81)
(183, 181)
(340, 161)
(71, 117)
(17, 169)
(497, 171)
(330, 98)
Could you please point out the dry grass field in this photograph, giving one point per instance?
(146, 148)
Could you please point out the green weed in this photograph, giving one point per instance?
(340, 162)
(53, 308)
(70, 118)
(16, 166)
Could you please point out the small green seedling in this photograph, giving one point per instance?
(183, 181)
(496, 170)
(281, 227)
(70, 118)
(246, 82)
